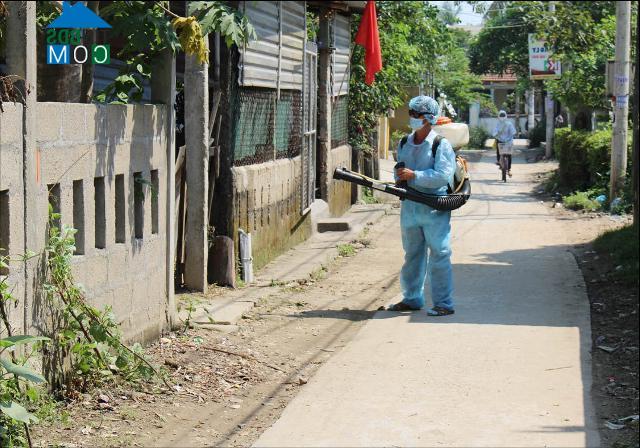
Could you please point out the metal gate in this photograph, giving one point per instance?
(309, 114)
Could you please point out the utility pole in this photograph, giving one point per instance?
(549, 110)
(636, 136)
(531, 106)
(621, 92)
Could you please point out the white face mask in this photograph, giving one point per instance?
(502, 118)
(415, 123)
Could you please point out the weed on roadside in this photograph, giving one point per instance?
(18, 390)
(85, 347)
(87, 339)
(581, 201)
(622, 247)
(319, 274)
(294, 287)
(346, 250)
(368, 197)
(361, 243)
(127, 413)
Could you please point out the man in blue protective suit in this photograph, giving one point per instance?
(426, 232)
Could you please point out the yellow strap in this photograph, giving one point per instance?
(370, 179)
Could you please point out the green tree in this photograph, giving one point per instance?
(502, 44)
(582, 36)
(147, 30)
(453, 77)
(411, 38)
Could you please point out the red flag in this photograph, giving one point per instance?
(368, 37)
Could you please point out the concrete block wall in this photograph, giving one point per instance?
(103, 167)
(340, 191)
(12, 206)
(266, 203)
(109, 162)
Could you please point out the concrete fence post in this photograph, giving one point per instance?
(20, 45)
(196, 112)
(163, 90)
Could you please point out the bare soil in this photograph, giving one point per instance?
(230, 398)
(614, 329)
(614, 324)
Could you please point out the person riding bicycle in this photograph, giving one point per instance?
(504, 133)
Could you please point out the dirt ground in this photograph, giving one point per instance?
(227, 399)
(614, 329)
(229, 387)
(614, 326)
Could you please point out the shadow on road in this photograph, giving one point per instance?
(486, 296)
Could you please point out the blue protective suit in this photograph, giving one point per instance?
(426, 232)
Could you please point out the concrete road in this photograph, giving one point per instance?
(511, 368)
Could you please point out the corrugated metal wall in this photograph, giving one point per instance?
(293, 37)
(275, 58)
(340, 57)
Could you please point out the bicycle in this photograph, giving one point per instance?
(505, 150)
(504, 166)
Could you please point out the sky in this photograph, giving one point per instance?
(467, 16)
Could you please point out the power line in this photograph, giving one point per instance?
(469, 14)
(505, 26)
(522, 8)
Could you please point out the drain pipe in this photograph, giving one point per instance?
(245, 256)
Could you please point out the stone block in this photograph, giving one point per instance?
(141, 123)
(11, 166)
(97, 268)
(122, 301)
(97, 123)
(11, 124)
(74, 126)
(119, 123)
(119, 268)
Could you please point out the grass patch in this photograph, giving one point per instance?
(622, 246)
(346, 250)
(581, 201)
(319, 274)
(48, 409)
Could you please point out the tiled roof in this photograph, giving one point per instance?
(492, 77)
